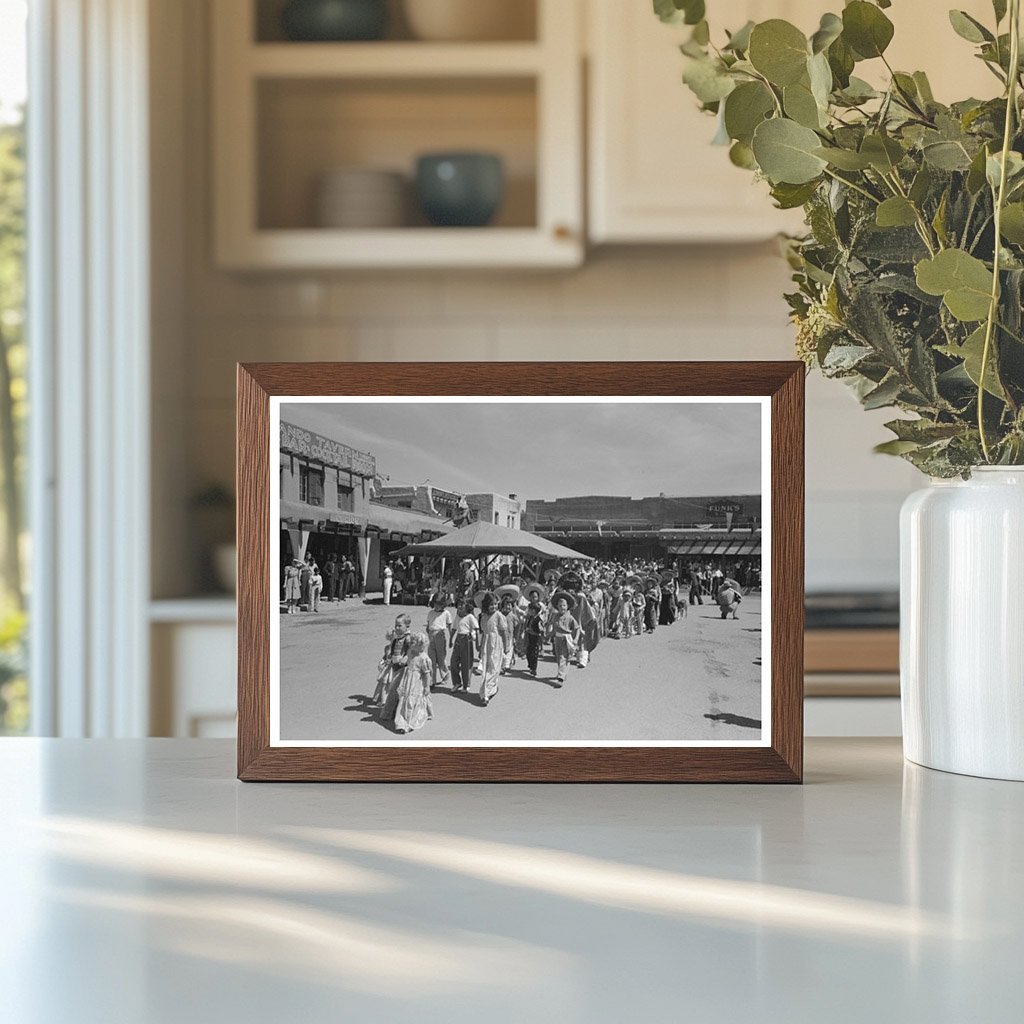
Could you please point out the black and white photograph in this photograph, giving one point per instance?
(571, 571)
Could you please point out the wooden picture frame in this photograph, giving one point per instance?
(780, 759)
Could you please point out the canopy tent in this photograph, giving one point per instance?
(480, 539)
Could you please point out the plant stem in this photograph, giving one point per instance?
(993, 309)
(922, 225)
(855, 187)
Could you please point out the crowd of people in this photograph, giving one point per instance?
(482, 626)
(306, 584)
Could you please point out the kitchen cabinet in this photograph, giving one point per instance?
(286, 113)
(653, 175)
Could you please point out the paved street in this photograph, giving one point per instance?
(699, 679)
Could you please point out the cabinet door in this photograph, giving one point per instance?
(654, 175)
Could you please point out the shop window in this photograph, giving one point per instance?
(346, 498)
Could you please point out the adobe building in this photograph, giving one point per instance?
(328, 503)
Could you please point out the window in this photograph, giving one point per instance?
(346, 501)
(496, 518)
(311, 485)
(14, 692)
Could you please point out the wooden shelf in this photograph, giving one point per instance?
(393, 60)
(401, 247)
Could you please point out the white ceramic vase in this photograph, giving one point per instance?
(962, 624)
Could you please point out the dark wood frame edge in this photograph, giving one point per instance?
(782, 762)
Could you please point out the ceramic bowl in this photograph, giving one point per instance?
(470, 20)
(358, 197)
(460, 189)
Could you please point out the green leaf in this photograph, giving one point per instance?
(741, 155)
(701, 33)
(866, 29)
(789, 197)
(896, 212)
(829, 30)
(923, 431)
(971, 352)
(785, 152)
(745, 108)
(885, 394)
(739, 41)
(820, 76)
(1014, 169)
(1012, 225)
(976, 173)
(883, 153)
(963, 281)
(800, 105)
(921, 185)
(778, 50)
(844, 159)
(999, 7)
(896, 447)
(676, 12)
(858, 91)
(968, 28)
(708, 80)
(939, 220)
(924, 87)
(947, 156)
(841, 60)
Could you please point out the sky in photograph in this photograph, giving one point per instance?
(552, 450)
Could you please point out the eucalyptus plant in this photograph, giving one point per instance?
(909, 280)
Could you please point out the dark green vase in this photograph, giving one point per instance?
(333, 21)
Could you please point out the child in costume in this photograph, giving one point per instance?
(392, 664)
(413, 708)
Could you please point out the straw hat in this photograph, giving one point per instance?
(507, 590)
(535, 588)
(571, 581)
(559, 595)
(634, 581)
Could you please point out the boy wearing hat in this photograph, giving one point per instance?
(564, 631)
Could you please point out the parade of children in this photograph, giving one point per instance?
(485, 629)
(470, 640)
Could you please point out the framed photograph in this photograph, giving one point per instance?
(528, 572)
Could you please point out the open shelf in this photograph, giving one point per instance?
(393, 60)
(308, 127)
(287, 113)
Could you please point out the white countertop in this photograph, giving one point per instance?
(142, 885)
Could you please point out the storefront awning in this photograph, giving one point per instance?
(738, 546)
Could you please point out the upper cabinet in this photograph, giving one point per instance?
(653, 174)
(317, 141)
